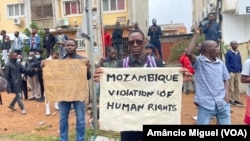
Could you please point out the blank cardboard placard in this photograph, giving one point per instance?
(65, 80)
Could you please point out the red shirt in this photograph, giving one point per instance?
(107, 39)
(186, 63)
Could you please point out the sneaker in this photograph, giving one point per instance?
(195, 118)
(32, 98)
(12, 108)
(232, 102)
(41, 99)
(237, 102)
(47, 110)
(23, 112)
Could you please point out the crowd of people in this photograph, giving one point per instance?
(212, 96)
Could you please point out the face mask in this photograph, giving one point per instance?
(30, 58)
(38, 56)
(14, 59)
(18, 60)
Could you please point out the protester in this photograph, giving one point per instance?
(117, 40)
(110, 60)
(155, 32)
(149, 49)
(34, 41)
(245, 78)
(79, 106)
(107, 41)
(24, 78)
(39, 73)
(185, 62)
(18, 44)
(55, 55)
(12, 74)
(5, 46)
(60, 40)
(234, 67)
(135, 27)
(137, 58)
(49, 41)
(211, 83)
(211, 29)
(32, 78)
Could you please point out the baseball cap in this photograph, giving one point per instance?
(150, 46)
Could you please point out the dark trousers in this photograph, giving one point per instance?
(25, 89)
(157, 44)
(49, 51)
(40, 80)
(131, 135)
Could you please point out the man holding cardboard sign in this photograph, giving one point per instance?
(66, 81)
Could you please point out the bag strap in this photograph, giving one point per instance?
(125, 62)
(151, 61)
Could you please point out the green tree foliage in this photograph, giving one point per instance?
(178, 49)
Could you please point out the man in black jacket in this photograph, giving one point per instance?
(154, 32)
(117, 39)
(13, 71)
(49, 41)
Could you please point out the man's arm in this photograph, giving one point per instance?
(159, 31)
(192, 45)
(245, 74)
(149, 31)
(245, 79)
(226, 90)
(227, 58)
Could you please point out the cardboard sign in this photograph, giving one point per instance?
(131, 97)
(65, 80)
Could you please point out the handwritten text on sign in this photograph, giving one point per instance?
(131, 97)
(65, 80)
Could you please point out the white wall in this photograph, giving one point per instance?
(235, 27)
(228, 5)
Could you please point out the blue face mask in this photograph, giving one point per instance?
(38, 56)
(18, 60)
(30, 58)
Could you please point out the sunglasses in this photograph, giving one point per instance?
(132, 42)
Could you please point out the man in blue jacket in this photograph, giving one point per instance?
(234, 66)
(34, 41)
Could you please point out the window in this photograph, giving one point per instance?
(15, 10)
(81, 44)
(72, 7)
(113, 5)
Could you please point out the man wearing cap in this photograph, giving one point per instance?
(149, 50)
(48, 42)
(154, 32)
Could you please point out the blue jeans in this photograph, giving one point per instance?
(223, 115)
(64, 109)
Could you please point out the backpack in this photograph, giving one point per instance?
(3, 84)
(150, 60)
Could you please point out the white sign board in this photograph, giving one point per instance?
(131, 97)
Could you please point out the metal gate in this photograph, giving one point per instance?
(42, 13)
